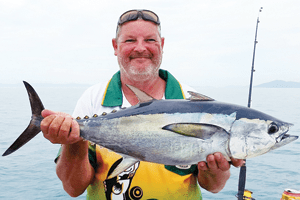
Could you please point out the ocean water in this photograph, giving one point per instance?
(29, 173)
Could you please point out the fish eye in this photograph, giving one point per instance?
(273, 128)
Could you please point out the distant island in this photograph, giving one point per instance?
(280, 84)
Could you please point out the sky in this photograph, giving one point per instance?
(207, 42)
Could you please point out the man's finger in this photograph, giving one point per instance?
(211, 162)
(46, 113)
(237, 162)
(75, 132)
(202, 166)
(221, 162)
(65, 128)
(55, 126)
(46, 123)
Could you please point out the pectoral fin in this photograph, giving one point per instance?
(199, 130)
(127, 161)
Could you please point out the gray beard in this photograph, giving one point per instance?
(140, 75)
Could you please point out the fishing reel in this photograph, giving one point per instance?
(247, 195)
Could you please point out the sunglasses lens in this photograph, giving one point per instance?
(135, 14)
(128, 16)
(150, 16)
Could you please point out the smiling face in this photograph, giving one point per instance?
(139, 49)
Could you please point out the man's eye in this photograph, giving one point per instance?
(129, 40)
(150, 40)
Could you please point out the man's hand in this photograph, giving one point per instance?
(73, 167)
(60, 128)
(214, 173)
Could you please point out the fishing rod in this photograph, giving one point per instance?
(242, 176)
(252, 69)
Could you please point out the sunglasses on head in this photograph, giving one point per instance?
(133, 15)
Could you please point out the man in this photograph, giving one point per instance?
(80, 166)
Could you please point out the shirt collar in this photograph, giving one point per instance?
(113, 94)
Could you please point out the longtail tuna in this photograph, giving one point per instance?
(174, 132)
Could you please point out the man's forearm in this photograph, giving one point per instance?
(74, 169)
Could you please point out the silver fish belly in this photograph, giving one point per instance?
(143, 137)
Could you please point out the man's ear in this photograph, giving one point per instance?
(162, 42)
(115, 46)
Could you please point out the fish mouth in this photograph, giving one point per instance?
(284, 138)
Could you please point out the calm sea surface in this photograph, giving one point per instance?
(29, 173)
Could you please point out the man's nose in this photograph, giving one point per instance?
(140, 46)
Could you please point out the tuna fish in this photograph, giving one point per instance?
(174, 132)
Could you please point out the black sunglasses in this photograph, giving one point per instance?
(133, 15)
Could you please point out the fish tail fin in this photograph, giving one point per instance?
(34, 126)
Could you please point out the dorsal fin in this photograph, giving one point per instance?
(142, 96)
(199, 97)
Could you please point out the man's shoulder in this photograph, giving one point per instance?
(95, 90)
(98, 86)
(90, 102)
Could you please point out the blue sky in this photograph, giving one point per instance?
(207, 43)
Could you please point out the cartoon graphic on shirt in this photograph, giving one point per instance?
(118, 187)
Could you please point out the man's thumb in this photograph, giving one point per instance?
(46, 113)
